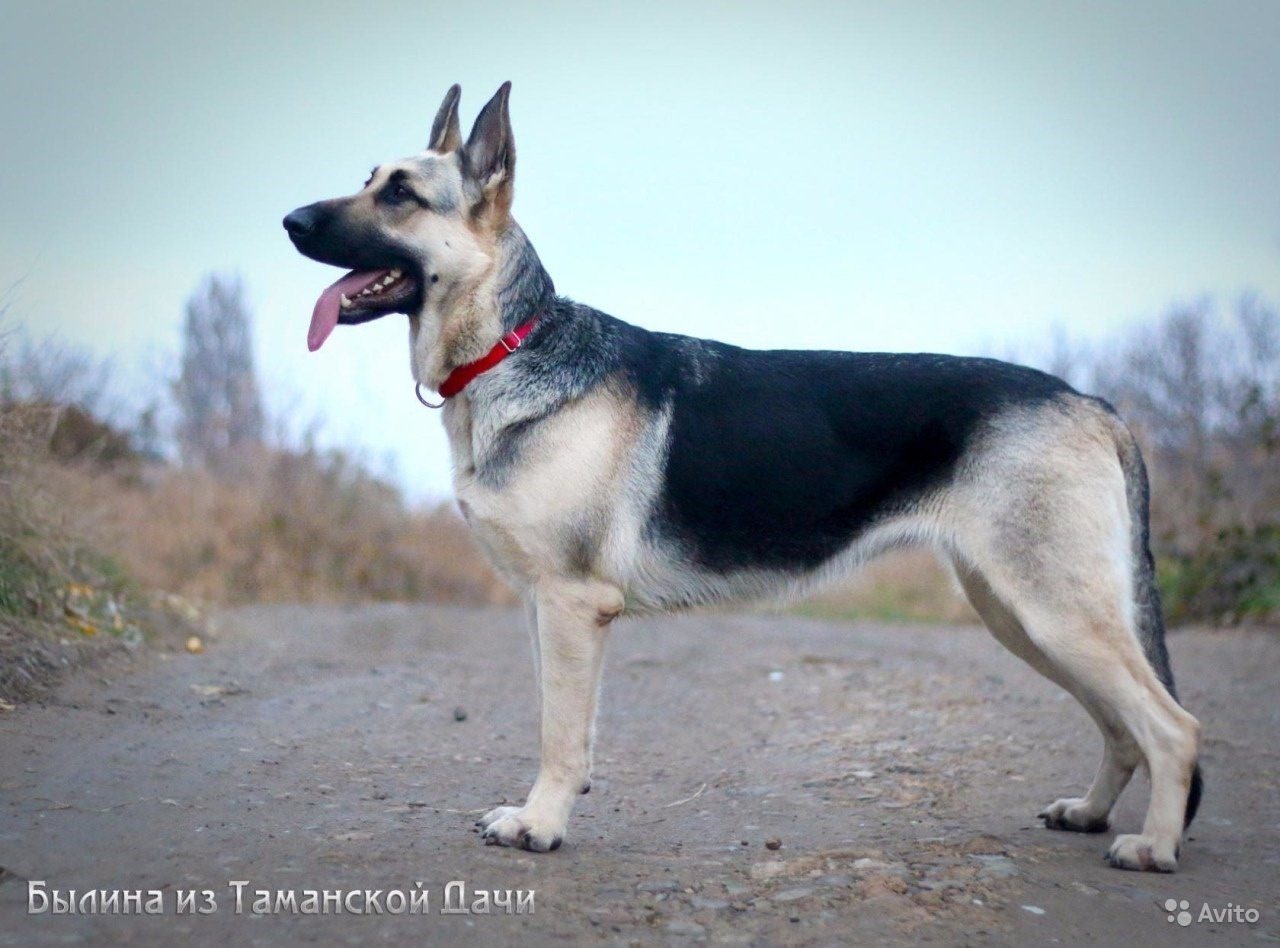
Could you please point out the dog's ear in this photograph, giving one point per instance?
(446, 135)
(489, 158)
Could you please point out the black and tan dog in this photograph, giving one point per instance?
(606, 469)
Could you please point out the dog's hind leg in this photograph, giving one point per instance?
(573, 619)
(1120, 754)
(1057, 563)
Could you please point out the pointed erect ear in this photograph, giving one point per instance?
(490, 155)
(446, 136)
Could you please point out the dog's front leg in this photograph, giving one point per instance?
(573, 620)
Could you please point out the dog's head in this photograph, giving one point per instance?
(420, 226)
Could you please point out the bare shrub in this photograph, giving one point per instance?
(290, 527)
(52, 372)
(1202, 390)
(219, 407)
(1200, 387)
(246, 523)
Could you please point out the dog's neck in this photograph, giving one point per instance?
(460, 323)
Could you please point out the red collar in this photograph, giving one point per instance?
(463, 375)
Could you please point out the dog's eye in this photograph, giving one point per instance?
(397, 192)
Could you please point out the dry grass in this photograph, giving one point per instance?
(287, 527)
(40, 550)
(57, 593)
(902, 586)
(100, 548)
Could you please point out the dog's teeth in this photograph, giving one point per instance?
(388, 280)
(344, 302)
(395, 274)
(377, 288)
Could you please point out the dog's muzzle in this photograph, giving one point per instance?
(303, 222)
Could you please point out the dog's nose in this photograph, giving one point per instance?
(301, 222)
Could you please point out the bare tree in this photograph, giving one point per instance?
(1200, 386)
(1202, 389)
(49, 371)
(219, 406)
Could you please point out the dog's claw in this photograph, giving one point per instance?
(1070, 815)
(1143, 854)
(512, 826)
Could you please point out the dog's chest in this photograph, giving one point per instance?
(530, 495)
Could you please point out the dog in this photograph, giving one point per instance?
(607, 470)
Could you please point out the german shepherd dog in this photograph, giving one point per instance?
(609, 470)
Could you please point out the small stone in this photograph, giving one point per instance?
(867, 864)
(941, 885)
(793, 895)
(764, 871)
(997, 866)
(680, 927)
(659, 885)
(1033, 909)
(459, 714)
(773, 843)
(988, 845)
(702, 903)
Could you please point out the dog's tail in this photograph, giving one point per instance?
(1149, 614)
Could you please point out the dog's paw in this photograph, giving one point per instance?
(514, 826)
(1070, 814)
(497, 813)
(1143, 854)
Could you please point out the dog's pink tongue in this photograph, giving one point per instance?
(329, 306)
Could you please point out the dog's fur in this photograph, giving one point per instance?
(606, 469)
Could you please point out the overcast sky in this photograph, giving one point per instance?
(951, 177)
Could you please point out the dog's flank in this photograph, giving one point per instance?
(606, 468)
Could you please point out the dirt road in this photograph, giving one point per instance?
(900, 769)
